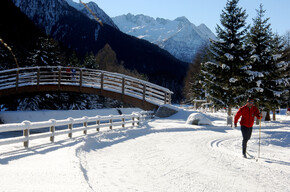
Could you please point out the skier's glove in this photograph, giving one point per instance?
(236, 125)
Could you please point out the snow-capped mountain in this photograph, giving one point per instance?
(95, 9)
(48, 11)
(54, 10)
(180, 37)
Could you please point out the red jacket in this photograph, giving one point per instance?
(248, 115)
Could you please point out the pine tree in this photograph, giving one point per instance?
(74, 60)
(5, 58)
(278, 73)
(266, 67)
(286, 53)
(224, 76)
(47, 53)
(259, 39)
(90, 61)
(192, 87)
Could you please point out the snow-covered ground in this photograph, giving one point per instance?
(161, 155)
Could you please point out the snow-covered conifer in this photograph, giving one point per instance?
(266, 68)
(90, 61)
(224, 75)
(47, 53)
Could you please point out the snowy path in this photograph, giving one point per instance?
(164, 155)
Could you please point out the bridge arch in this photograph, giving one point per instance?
(139, 93)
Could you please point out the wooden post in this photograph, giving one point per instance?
(102, 82)
(59, 77)
(111, 122)
(144, 93)
(81, 79)
(123, 86)
(165, 97)
(17, 79)
(123, 121)
(85, 125)
(52, 130)
(26, 133)
(138, 120)
(169, 98)
(38, 77)
(133, 121)
(98, 123)
(70, 127)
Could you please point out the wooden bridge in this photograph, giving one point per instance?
(127, 89)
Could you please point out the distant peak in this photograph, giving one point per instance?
(203, 26)
(182, 19)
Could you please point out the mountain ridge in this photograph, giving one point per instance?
(167, 34)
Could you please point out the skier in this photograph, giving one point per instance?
(248, 113)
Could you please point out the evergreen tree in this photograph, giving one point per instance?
(47, 53)
(279, 74)
(74, 60)
(224, 76)
(90, 61)
(286, 53)
(192, 87)
(6, 58)
(266, 68)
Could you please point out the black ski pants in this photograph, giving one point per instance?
(246, 132)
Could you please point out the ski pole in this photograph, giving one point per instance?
(259, 140)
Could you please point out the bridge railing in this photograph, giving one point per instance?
(82, 77)
(85, 124)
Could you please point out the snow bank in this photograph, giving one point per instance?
(44, 115)
(198, 119)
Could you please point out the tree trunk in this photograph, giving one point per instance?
(268, 118)
(274, 114)
(230, 111)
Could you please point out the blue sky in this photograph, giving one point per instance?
(199, 11)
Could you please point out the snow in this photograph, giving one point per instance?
(229, 56)
(259, 82)
(232, 80)
(164, 154)
(277, 56)
(254, 74)
(255, 57)
(198, 119)
(44, 115)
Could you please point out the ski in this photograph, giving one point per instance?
(251, 156)
(248, 156)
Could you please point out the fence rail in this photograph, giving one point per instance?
(82, 77)
(73, 125)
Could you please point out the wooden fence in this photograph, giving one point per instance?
(84, 124)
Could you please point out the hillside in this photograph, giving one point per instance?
(77, 31)
(18, 32)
